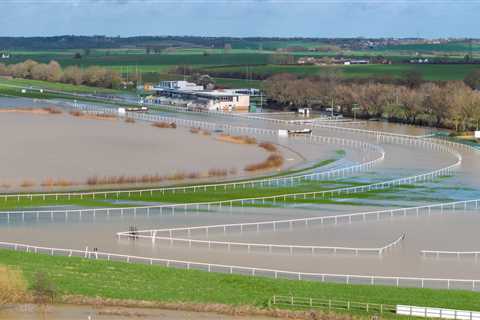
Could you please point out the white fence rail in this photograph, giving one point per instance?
(465, 284)
(250, 247)
(331, 304)
(169, 234)
(428, 312)
(449, 254)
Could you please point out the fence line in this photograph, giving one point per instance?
(442, 253)
(429, 312)
(269, 247)
(419, 282)
(331, 304)
(168, 234)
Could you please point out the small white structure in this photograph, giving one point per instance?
(304, 111)
(477, 134)
(283, 133)
(180, 85)
(122, 112)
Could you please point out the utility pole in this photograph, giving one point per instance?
(332, 107)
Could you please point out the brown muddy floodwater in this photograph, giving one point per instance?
(38, 147)
(84, 147)
(73, 312)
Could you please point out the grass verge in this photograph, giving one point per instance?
(116, 280)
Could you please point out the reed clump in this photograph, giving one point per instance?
(6, 185)
(76, 113)
(52, 110)
(13, 287)
(270, 147)
(273, 161)
(237, 139)
(27, 183)
(164, 125)
(217, 172)
(200, 131)
(129, 120)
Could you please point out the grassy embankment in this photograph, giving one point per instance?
(115, 280)
(65, 87)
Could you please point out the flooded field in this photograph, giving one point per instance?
(71, 312)
(63, 145)
(446, 231)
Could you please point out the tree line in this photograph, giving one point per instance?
(92, 76)
(452, 104)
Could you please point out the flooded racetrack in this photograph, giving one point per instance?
(425, 229)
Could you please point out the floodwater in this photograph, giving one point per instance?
(74, 312)
(428, 231)
(65, 147)
(448, 231)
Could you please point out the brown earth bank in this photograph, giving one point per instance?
(46, 110)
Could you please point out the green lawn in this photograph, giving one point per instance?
(429, 72)
(70, 88)
(76, 276)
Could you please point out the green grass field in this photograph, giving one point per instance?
(115, 280)
(158, 66)
(429, 72)
(65, 87)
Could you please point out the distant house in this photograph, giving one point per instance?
(419, 61)
(307, 60)
(357, 61)
(5, 56)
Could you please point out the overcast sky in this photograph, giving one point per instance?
(307, 18)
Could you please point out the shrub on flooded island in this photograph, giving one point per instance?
(13, 287)
(165, 125)
(52, 110)
(44, 290)
(193, 175)
(217, 172)
(237, 139)
(273, 161)
(178, 176)
(130, 120)
(123, 179)
(270, 147)
(6, 185)
(76, 113)
(27, 183)
(200, 131)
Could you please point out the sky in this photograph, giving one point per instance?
(242, 18)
